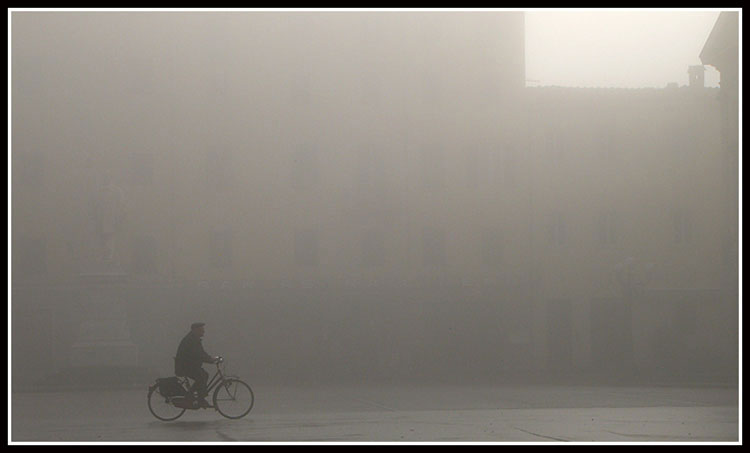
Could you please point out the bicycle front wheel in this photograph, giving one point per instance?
(233, 398)
(161, 407)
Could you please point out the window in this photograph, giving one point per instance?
(492, 247)
(30, 170)
(556, 228)
(370, 176)
(219, 172)
(31, 76)
(472, 168)
(373, 248)
(141, 75)
(606, 231)
(433, 168)
(683, 227)
(478, 168)
(368, 30)
(302, 88)
(729, 253)
(217, 82)
(432, 87)
(144, 255)
(433, 246)
(686, 318)
(306, 247)
(606, 140)
(510, 166)
(142, 168)
(221, 248)
(305, 169)
(370, 88)
(555, 144)
(32, 257)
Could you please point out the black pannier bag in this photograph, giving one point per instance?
(170, 387)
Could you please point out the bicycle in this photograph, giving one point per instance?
(169, 398)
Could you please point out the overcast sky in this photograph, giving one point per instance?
(615, 48)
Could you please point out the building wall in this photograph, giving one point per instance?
(632, 174)
(337, 200)
(286, 153)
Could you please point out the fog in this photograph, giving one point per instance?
(361, 197)
(626, 48)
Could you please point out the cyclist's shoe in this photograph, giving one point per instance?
(203, 403)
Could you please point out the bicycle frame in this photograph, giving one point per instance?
(215, 380)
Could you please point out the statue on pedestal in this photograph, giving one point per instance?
(106, 215)
(104, 336)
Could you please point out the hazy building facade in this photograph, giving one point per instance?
(293, 171)
(353, 196)
(721, 51)
(630, 234)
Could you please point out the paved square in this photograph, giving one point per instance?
(396, 414)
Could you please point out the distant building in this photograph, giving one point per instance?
(640, 282)
(379, 186)
(721, 51)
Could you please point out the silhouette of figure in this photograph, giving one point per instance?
(106, 221)
(189, 360)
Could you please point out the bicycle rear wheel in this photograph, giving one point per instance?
(233, 398)
(161, 407)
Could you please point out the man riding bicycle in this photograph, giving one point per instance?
(189, 360)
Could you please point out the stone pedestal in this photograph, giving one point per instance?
(104, 335)
(104, 343)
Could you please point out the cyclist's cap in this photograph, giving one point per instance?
(195, 325)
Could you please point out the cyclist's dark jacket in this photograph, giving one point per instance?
(190, 355)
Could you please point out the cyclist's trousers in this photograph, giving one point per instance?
(200, 376)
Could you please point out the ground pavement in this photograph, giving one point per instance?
(379, 413)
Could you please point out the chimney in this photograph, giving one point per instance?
(696, 76)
